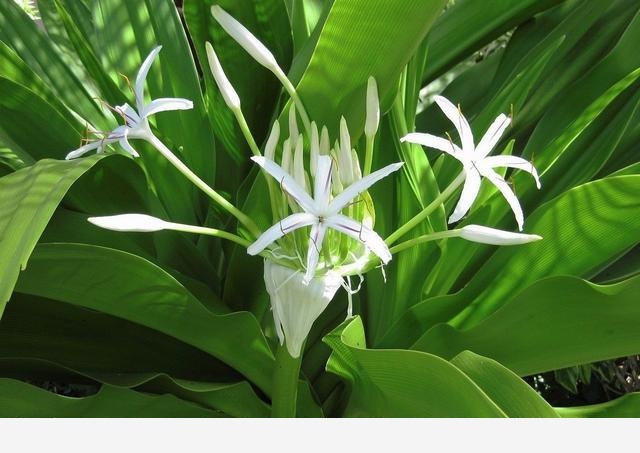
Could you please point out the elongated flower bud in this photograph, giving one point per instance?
(373, 109)
(325, 147)
(344, 154)
(293, 126)
(286, 156)
(486, 235)
(314, 148)
(272, 142)
(357, 172)
(130, 222)
(298, 164)
(230, 96)
(246, 39)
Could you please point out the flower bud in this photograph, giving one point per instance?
(272, 142)
(344, 154)
(130, 222)
(230, 96)
(373, 109)
(314, 149)
(486, 235)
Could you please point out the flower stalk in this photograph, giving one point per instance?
(284, 394)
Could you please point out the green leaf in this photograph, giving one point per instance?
(129, 287)
(28, 198)
(627, 406)
(468, 25)
(395, 383)
(555, 323)
(362, 38)
(514, 396)
(18, 399)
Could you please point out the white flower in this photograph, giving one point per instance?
(136, 120)
(321, 212)
(295, 303)
(475, 160)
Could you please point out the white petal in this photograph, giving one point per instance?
(322, 182)
(272, 142)
(287, 183)
(508, 194)
(373, 109)
(142, 76)
(431, 141)
(124, 143)
(459, 121)
(129, 114)
(244, 37)
(285, 226)
(165, 105)
(513, 162)
(355, 189)
(129, 222)
(89, 147)
(361, 233)
(492, 136)
(486, 235)
(468, 195)
(316, 237)
(297, 305)
(229, 94)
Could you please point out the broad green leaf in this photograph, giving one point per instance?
(627, 406)
(468, 25)
(582, 229)
(18, 399)
(28, 198)
(129, 287)
(555, 323)
(396, 383)
(362, 38)
(514, 396)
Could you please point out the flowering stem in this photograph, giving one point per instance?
(285, 384)
(244, 127)
(424, 238)
(422, 215)
(209, 232)
(288, 86)
(195, 179)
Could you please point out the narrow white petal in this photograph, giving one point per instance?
(89, 147)
(468, 195)
(513, 162)
(431, 141)
(142, 76)
(129, 114)
(275, 232)
(486, 235)
(508, 194)
(316, 237)
(322, 182)
(361, 233)
(129, 222)
(124, 143)
(348, 194)
(165, 105)
(459, 121)
(492, 136)
(244, 37)
(272, 142)
(229, 94)
(287, 182)
(373, 109)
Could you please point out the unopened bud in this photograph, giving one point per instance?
(230, 96)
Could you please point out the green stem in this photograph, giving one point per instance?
(422, 215)
(209, 232)
(424, 238)
(288, 86)
(285, 384)
(195, 179)
(244, 127)
(368, 157)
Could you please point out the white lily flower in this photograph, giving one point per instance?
(320, 212)
(296, 304)
(476, 160)
(493, 236)
(136, 120)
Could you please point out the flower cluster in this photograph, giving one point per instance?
(323, 227)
